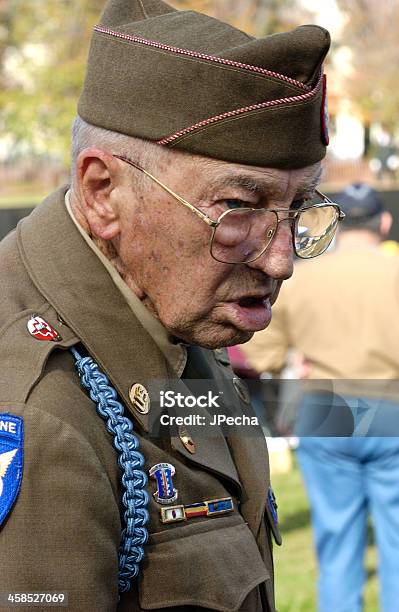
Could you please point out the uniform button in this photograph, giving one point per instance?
(140, 399)
(187, 440)
(241, 390)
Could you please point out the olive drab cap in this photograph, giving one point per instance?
(188, 81)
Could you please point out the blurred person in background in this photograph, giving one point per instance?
(340, 313)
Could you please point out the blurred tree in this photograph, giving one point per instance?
(257, 17)
(4, 29)
(43, 48)
(371, 32)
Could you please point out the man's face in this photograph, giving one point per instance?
(164, 248)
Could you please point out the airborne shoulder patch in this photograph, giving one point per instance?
(11, 461)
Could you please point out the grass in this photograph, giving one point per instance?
(24, 194)
(20, 201)
(295, 562)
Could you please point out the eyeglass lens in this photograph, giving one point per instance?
(314, 231)
(244, 234)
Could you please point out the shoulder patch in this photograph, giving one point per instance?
(11, 461)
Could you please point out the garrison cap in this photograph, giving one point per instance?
(191, 82)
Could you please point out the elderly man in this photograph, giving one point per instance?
(196, 157)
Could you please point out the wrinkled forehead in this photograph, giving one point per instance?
(219, 175)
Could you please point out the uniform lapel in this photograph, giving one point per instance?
(213, 454)
(249, 452)
(211, 445)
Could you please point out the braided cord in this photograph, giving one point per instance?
(130, 460)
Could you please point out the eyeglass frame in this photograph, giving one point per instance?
(215, 224)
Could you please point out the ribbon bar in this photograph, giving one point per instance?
(211, 508)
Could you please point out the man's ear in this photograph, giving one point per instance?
(98, 179)
(386, 223)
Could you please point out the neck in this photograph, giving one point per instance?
(78, 213)
(107, 247)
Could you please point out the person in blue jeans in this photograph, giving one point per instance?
(347, 480)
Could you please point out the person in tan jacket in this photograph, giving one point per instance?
(196, 153)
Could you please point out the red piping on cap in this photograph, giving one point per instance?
(240, 111)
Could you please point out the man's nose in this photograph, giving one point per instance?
(278, 259)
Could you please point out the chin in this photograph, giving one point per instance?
(240, 338)
(216, 338)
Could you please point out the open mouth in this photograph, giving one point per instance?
(251, 313)
(250, 302)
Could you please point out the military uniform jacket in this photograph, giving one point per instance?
(64, 530)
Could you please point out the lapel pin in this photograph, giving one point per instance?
(241, 390)
(42, 330)
(187, 440)
(140, 399)
(162, 473)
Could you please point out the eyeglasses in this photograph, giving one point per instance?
(242, 235)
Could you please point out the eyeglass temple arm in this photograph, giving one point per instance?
(342, 215)
(193, 208)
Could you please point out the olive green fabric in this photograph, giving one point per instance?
(136, 88)
(64, 529)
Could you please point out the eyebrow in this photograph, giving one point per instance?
(260, 186)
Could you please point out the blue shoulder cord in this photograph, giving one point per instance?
(130, 460)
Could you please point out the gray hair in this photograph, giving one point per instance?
(85, 135)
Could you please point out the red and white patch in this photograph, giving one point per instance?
(324, 114)
(41, 330)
